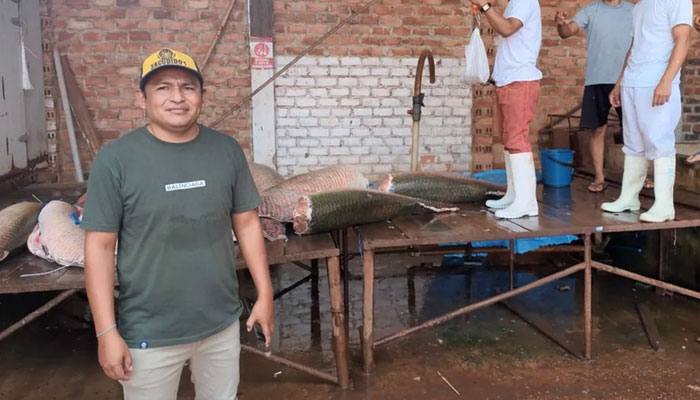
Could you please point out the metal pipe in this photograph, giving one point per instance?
(290, 364)
(69, 116)
(36, 313)
(482, 303)
(644, 279)
(587, 290)
(418, 103)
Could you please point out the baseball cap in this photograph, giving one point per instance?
(168, 58)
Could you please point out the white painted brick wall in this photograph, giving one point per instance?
(352, 110)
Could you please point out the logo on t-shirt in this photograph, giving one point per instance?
(143, 345)
(185, 185)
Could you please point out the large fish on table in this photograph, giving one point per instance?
(58, 237)
(328, 211)
(437, 186)
(264, 176)
(278, 203)
(16, 223)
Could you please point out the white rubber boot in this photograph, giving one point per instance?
(633, 175)
(664, 179)
(525, 185)
(508, 198)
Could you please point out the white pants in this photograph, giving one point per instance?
(650, 131)
(214, 362)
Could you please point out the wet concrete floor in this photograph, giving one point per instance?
(489, 354)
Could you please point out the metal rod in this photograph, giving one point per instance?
(36, 313)
(246, 99)
(511, 262)
(218, 33)
(587, 293)
(644, 279)
(292, 286)
(538, 324)
(662, 258)
(291, 364)
(482, 303)
(68, 115)
(303, 266)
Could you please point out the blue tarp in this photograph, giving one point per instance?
(521, 245)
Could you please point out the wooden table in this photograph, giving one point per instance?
(70, 280)
(563, 211)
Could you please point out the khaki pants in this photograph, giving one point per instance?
(214, 362)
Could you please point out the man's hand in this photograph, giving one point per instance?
(662, 93)
(114, 356)
(560, 17)
(264, 314)
(615, 96)
(696, 22)
(479, 2)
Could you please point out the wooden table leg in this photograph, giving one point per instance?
(340, 335)
(587, 297)
(368, 312)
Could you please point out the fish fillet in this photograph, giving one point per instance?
(16, 223)
(327, 211)
(278, 203)
(435, 186)
(57, 237)
(273, 230)
(264, 176)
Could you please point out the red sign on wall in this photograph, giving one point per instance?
(261, 53)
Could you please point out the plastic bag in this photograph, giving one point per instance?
(477, 63)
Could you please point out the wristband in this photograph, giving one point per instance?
(485, 7)
(106, 330)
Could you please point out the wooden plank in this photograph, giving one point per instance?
(80, 109)
(649, 326)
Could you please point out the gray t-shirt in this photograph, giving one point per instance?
(608, 38)
(171, 204)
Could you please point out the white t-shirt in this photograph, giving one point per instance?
(516, 58)
(653, 40)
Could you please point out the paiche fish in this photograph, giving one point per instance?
(278, 203)
(58, 237)
(440, 186)
(264, 176)
(16, 223)
(330, 210)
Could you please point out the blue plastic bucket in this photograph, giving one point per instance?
(557, 167)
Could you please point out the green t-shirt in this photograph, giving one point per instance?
(171, 204)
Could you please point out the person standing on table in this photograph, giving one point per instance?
(608, 26)
(517, 91)
(649, 91)
(170, 192)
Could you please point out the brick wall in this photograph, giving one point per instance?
(353, 110)
(106, 39)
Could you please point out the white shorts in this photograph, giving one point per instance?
(650, 131)
(214, 362)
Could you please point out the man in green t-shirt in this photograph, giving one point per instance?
(169, 193)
